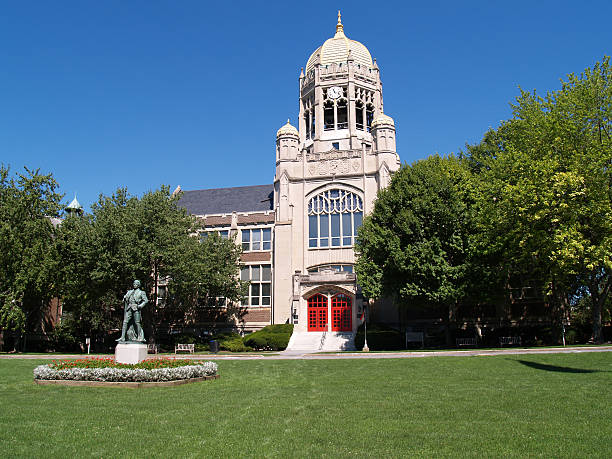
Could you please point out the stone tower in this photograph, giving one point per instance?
(327, 175)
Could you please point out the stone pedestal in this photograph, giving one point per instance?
(130, 352)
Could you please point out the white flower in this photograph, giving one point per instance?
(198, 370)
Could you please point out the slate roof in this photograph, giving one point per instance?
(256, 198)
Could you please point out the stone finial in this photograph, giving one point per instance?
(302, 72)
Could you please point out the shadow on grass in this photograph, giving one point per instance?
(543, 366)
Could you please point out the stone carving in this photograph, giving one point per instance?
(133, 302)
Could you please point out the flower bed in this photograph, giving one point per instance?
(107, 370)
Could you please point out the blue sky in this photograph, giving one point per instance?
(138, 94)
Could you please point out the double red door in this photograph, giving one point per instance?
(317, 313)
(341, 313)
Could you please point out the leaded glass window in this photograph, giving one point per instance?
(333, 218)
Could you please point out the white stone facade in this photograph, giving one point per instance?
(328, 172)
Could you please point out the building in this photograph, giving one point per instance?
(298, 233)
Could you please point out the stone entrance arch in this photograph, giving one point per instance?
(330, 311)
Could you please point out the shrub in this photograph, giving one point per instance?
(231, 342)
(270, 338)
(380, 338)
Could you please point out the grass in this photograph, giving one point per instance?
(557, 405)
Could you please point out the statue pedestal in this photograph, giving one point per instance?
(130, 352)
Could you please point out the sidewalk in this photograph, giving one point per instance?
(297, 355)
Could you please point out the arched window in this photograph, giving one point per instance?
(342, 109)
(359, 115)
(369, 115)
(333, 218)
(307, 123)
(328, 115)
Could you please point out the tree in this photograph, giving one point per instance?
(545, 189)
(150, 239)
(28, 202)
(414, 245)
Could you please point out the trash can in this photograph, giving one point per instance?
(214, 346)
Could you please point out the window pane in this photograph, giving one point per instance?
(346, 225)
(244, 273)
(266, 273)
(246, 235)
(358, 216)
(335, 229)
(255, 273)
(312, 224)
(267, 234)
(255, 301)
(203, 236)
(324, 225)
(265, 301)
(312, 243)
(265, 289)
(255, 238)
(265, 245)
(224, 234)
(347, 268)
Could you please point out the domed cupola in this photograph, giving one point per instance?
(383, 133)
(287, 141)
(287, 130)
(336, 50)
(381, 120)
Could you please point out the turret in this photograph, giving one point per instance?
(287, 140)
(383, 133)
(74, 208)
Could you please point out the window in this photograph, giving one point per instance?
(337, 268)
(307, 123)
(328, 115)
(336, 145)
(342, 109)
(256, 239)
(333, 218)
(224, 234)
(260, 277)
(369, 116)
(312, 123)
(359, 108)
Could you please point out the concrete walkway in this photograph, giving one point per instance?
(300, 355)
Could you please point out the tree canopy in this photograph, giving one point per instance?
(150, 239)
(28, 203)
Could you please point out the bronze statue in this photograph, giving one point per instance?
(133, 301)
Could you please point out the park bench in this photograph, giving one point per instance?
(510, 340)
(467, 342)
(415, 337)
(184, 347)
(153, 348)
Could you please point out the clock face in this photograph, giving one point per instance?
(334, 92)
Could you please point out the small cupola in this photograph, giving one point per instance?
(74, 208)
(287, 140)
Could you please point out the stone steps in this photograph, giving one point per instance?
(321, 341)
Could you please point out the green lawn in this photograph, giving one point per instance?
(522, 406)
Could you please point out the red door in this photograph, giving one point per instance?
(317, 313)
(342, 313)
